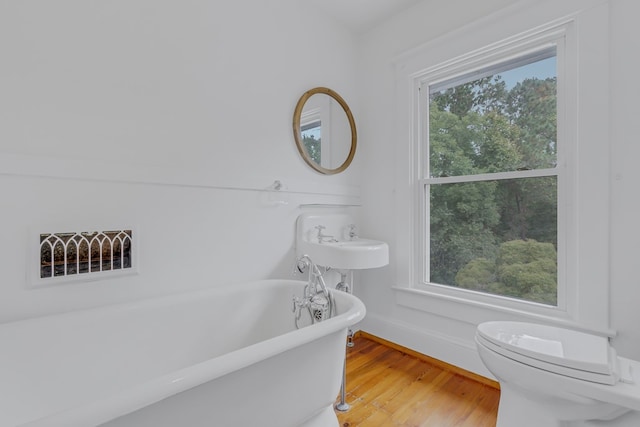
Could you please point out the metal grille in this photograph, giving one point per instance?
(67, 254)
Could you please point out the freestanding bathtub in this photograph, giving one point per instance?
(222, 357)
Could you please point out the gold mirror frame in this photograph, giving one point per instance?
(297, 133)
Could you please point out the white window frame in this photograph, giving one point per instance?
(583, 165)
(500, 54)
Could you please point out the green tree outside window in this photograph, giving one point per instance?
(496, 236)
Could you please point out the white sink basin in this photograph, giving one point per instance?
(347, 254)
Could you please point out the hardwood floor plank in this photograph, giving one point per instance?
(486, 410)
(391, 385)
(388, 387)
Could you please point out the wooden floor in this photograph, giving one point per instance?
(388, 387)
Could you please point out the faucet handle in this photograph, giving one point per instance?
(321, 235)
(302, 264)
(352, 231)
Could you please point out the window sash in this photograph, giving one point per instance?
(535, 173)
(425, 241)
(544, 52)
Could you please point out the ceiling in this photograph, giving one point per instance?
(361, 15)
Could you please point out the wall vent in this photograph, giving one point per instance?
(76, 254)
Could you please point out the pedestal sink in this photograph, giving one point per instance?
(330, 240)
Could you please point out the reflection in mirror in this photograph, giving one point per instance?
(324, 130)
(311, 132)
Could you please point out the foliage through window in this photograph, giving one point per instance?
(491, 180)
(311, 138)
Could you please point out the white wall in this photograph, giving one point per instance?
(450, 337)
(625, 197)
(168, 116)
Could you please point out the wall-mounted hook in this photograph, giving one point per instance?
(275, 194)
(277, 185)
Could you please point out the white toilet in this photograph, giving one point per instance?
(552, 377)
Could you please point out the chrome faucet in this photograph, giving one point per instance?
(352, 231)
(317, 299)
(324, 237)
(315, 277)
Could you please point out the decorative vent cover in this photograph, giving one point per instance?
(86, 252)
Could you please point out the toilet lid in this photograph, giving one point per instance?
(608, 379)
(557, 346)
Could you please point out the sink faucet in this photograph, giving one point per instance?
(352, 231)
(324, 237)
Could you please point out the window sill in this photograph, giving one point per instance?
(474, 309)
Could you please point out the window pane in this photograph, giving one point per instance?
(503, 121)
(498, 237)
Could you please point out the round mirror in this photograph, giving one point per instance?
(324, 130)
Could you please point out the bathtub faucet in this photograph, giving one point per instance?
(315, 277)
(317, 299)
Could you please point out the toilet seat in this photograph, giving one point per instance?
(561, 351)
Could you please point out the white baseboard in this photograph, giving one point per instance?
(449, 349)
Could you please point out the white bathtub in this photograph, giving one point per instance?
(223, 357)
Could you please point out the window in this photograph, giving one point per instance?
(490, 176)
(573, 172)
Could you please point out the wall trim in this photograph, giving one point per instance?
(436, 362)
(129, 173)
(477, 309)
(446, 348)
(502, 15)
